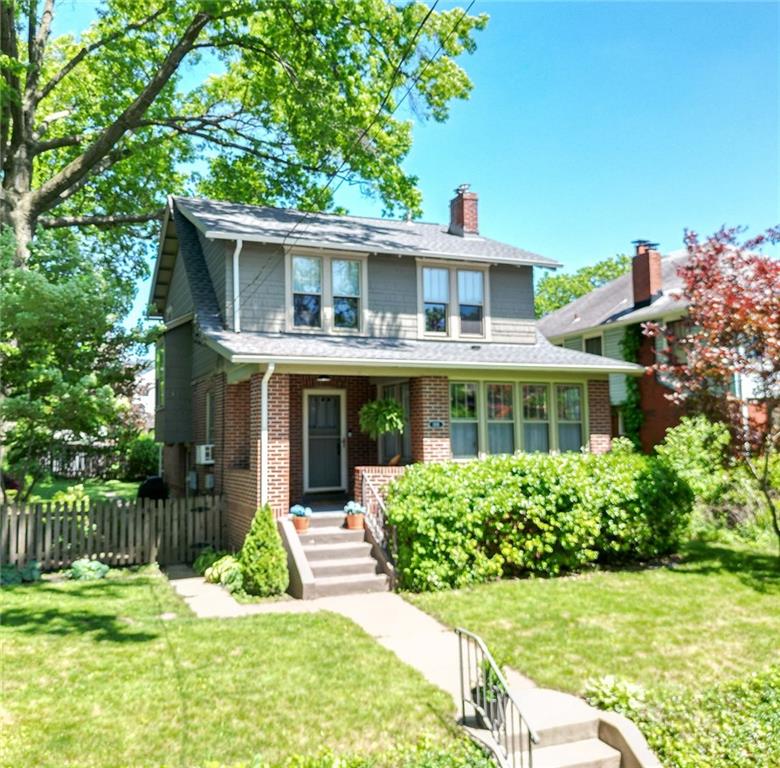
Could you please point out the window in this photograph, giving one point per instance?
(464, 424)
(569, 400)
(500, 418)
(678, 354)
(436, 298)
(398, 443)
(593, 345)
(307, 291)
(159, 374)
(345, 279)
(536, 418)
(209, 418)
(471, 293)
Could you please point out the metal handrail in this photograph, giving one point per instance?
(494, 703)
(377, 522)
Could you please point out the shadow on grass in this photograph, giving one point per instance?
(104, 627)
(757, 570)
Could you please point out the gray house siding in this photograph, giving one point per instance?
(512, 303)
(174, 420)
(214, 253)
(179, 295)
(573, 342)
(262, 289)
(204, 360)
(392, 297)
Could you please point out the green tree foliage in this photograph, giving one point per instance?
(556, 291)
(96, 126)
(141, 454)
(67, 364)
(263, 559)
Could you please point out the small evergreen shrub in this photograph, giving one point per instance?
(263, 558)
(207, 557)
(13, 574)
(87, 570)
(532, 514)
(142, 457)
(227, 572)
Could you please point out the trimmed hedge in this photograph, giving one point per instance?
(460, 524)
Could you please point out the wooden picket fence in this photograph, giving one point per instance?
(116, 532)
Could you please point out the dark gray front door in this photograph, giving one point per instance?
(324, 442)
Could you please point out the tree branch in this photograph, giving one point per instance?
(36, 45)
(101, 222)
(11, 123)
(47, 194)
(73, 140)
(86, 50)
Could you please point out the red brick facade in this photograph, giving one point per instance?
(659, 413)
(646, 275)
(464, 212)
(429, 398)
(599, 417)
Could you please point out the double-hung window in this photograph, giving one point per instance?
(500, 418)
(345, 282)
(536, 418)
(569, 417)
(471, 301)
(307, 291)
(436, 299)
(464, 420)
(593, 345)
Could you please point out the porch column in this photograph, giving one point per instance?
(599, 417)
(279, 443)
(429, 398)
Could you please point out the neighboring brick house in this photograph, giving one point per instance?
(279, 326)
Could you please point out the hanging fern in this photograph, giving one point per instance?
(380, 416)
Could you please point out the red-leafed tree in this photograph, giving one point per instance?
(726, 361)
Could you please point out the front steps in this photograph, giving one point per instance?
(340, 559)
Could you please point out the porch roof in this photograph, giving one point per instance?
(305, 349)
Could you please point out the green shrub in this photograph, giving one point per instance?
(461, 524)
(142, 457)
(73, 494)
(13, 574)
(226, 571)
(731, 725)
(207, 557)
(263, 558)
(87, 570)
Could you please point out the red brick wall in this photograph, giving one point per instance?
(429, 398)
(380, 476)
(660, 414)
(361, 449)
(464, 210)
(646, 275)
(279, 443)
(599, 417)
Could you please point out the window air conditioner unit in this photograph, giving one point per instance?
(204, 454)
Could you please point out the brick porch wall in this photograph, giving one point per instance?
(380, 476)
(599, 417)
(429, 398)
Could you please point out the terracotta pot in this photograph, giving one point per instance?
(355, 522)
(301, 523)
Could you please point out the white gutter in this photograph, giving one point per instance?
(237, 287)
(264, 433)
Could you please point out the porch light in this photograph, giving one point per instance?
(323, 379)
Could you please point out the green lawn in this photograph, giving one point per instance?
(711, 617)
(94, 487)
(93, 676)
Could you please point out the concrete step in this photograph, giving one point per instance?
(344, 566)
(330, 535)
(316, 552)
(326, 520)
(557, 717)
(588, 753)
(331, 586)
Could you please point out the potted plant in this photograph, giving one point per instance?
(300, 516)
(377, 417)
(354, 513)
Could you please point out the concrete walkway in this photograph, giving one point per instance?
(417, 639)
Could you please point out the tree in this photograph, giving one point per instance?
(302, 93)
(68, 365)
(556, 291)
(731, 343)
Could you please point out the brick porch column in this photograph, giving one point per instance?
(279, 443)
(599, 417)
(430, 402)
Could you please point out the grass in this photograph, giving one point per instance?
(711, 617)
(94, 676)
(94, 487)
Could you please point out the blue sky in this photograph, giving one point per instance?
(593, 124)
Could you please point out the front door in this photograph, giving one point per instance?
(324, 464)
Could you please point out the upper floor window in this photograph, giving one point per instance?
(307, 291)
(436, 298)
(593, 345)
(327, 293)
(453, 301)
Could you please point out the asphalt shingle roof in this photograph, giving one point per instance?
(614, 302)
(223, 220)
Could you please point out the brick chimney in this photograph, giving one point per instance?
(463, 212)
(646, 273)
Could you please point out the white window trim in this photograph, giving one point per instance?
(326, 294)
(559, 421)
(453, 314)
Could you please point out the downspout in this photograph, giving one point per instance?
(237, 287)
(264, 434)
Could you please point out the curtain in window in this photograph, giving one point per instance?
(536, 438)
(436, 284)
(470, 287)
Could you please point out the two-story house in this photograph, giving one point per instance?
(280, 325)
